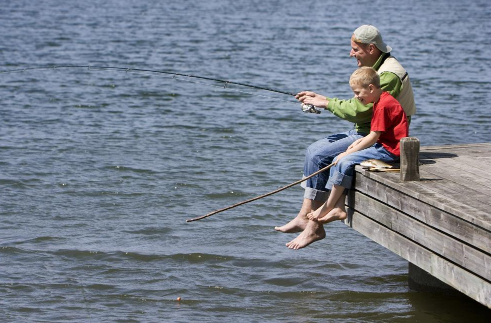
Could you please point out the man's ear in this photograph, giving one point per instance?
(371, 48)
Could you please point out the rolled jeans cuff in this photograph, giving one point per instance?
(314, 194)
(339, 179)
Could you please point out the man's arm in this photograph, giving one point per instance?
(389, 82)
(355, 111)
(351, 110)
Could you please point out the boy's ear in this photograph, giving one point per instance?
(371, 87)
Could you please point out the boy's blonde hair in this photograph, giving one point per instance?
(365, 76)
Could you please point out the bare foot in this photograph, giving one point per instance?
(334, 215)
(296, 225)
(319, 213)
(313, 232)
(299, 223)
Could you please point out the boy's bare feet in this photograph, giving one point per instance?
(313, 231)
(319, 213)
(334, 215)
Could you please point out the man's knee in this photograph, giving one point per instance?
(320, 154)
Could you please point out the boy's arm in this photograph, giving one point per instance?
(365, 142)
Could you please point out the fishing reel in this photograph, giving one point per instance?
(309, 108)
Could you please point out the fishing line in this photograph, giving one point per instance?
(169, 74)
(219, 87)
(173, 75)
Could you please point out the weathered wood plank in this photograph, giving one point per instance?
(479, 149)
(446, 246)
(434, 217)
(422, 192)
(451, 274)
(459, 187)
(473, 168)
(462, 177)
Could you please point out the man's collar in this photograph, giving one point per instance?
(380, 60)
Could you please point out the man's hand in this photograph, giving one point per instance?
(309, 97)
(302, 95)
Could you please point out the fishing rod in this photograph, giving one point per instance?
(262, 196)
(305, 107)
(129, 69)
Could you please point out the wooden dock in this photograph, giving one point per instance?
(442, 223)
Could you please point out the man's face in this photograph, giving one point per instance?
(362, 53)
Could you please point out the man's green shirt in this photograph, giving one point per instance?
(354, 111)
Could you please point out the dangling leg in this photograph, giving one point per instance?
(333, 208)
(337, 213)
(318, 155)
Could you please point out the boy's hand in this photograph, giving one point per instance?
(341, 155)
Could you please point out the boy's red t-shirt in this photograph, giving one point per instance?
(389, 117)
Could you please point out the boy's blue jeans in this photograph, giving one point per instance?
(342, 173)
(320, 154)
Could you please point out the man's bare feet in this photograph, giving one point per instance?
(313, 231)
(334, 215)
(299, 223)
(296, 225)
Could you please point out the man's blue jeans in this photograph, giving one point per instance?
(320, 154)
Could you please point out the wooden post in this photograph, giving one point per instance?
(409, 159)
(420, 280)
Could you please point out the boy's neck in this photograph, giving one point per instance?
(377, 92)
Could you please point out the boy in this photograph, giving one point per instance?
(388, 126)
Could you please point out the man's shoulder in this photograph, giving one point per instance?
(392, 65)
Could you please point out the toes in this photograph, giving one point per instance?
(292, 244)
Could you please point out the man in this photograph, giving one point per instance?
(370, 50)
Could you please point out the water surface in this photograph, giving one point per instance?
(100, 169)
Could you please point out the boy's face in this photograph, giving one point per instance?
(364, 94)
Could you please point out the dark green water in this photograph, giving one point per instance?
(100, 169)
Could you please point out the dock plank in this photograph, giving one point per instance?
(430, 193)
(459, 187)
(441, 223)
(443, 244)
(464, 167)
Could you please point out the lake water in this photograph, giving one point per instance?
(99, 169)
